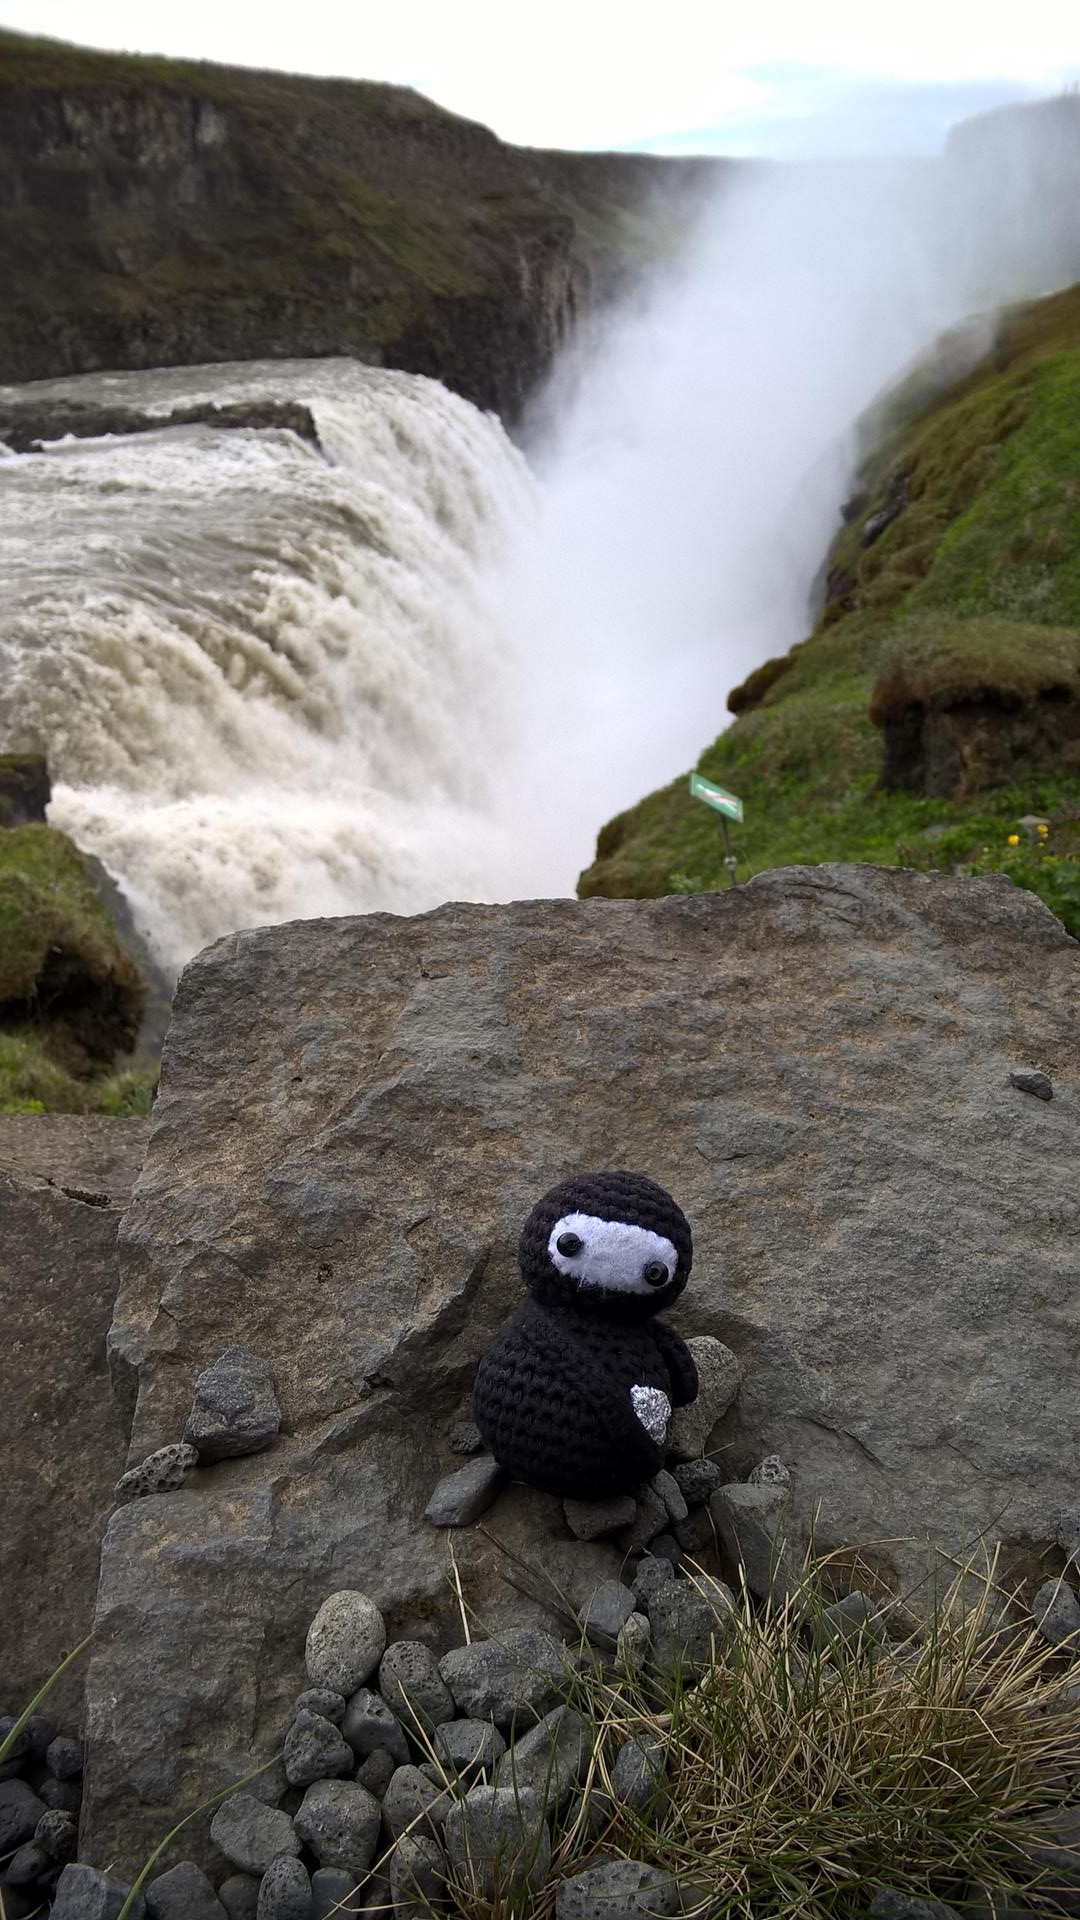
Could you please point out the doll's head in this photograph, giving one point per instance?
(614, 1244)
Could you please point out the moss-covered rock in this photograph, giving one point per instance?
(62, 966)
(25, 789)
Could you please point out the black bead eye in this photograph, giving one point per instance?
(656, 1273)
(569, 1244)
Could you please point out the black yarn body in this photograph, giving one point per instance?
(552, 1395)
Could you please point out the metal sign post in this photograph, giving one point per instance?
(727, 805)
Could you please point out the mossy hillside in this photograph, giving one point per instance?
(973, 586)
(202, 213)
(71, 997)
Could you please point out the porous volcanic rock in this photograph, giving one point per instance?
(356, 1116)
(64, 1182)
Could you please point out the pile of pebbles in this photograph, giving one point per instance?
(40, 1792)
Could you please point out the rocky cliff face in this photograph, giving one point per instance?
(356, 1115)
(159, 213)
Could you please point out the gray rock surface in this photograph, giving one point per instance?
(322, 1700)
(623, 1888)
(65, 1180)
(718, 1383)
(417, 1876)
(605, 1612)
(369, 1726)
(412, 1802)
(633, 1644)
(236, 1409)
(183, 1893)
(315, 1750)
(462, 1496)
(890, 1904)
(464, 1748)
(595, 1519)
(752, 1521)
(345, 1642)
(356, 1116)
(162, 1471)
(412, 1686)
(1056, 1612)
(498, 1841)
(333, 1891)
(514, 1678)
(239, 1895)
(685, 1631)
(696, 1479)
(770, 1472)
(551, 1759)
(82, 1893)
(250, 1834)
(639, 1775)
(339, 1820)
(376, 1772)
(284, 1891)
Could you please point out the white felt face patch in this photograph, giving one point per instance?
(611, 1256)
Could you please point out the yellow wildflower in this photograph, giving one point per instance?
(1014, 839)
(1043, 828)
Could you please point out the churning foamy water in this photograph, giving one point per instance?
(271, 681)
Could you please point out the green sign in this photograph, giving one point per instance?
(726, 803)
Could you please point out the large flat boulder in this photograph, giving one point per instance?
(354, 1118)
(64, 1182)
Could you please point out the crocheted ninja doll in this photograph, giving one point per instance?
(575, 1393)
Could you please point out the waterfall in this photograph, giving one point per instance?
(271, 678)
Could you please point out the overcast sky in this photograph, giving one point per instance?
(772, 76)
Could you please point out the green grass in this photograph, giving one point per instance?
(71, 996)
(973, 589)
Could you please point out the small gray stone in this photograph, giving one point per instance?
(285, 1893)
(685, 1630)
(64, 1757)
(1056, 1612)
(609, 1605)
(498, 1841)
(1030, 1080)
(315, 1750)
(465, 1748)
(250, 1834)
(369, 1726)
(63, 1795)
(56, 1834)
(25, 1865)
(334, 1892)
(666, 1547)
(417, 1876)
(20, 1811)
(594, 1519)
(618, 1890)
(376, 1772)
(639, 1776)
(160, 1472)
(183, 1893)
(849, 1619)
(461, 1497)
(632, 1646)
(696, 1479)
(770, 1472)
(465, 1437)
(550, 1760)
(718, 1382)
(82, 1893)
(412, 1686)
(665, 1484)
(517, 1676)
(345, 1642)
(236, 1409)
(239, 1895)
(650, 1518)
(40, 1732)
(652, 1574)
(412, 1803)
(322, 1700)
(340, 1820)
(752, 1522)
(889, 1904)
(1067, 1534)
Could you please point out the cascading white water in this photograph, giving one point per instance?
(270, 680)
